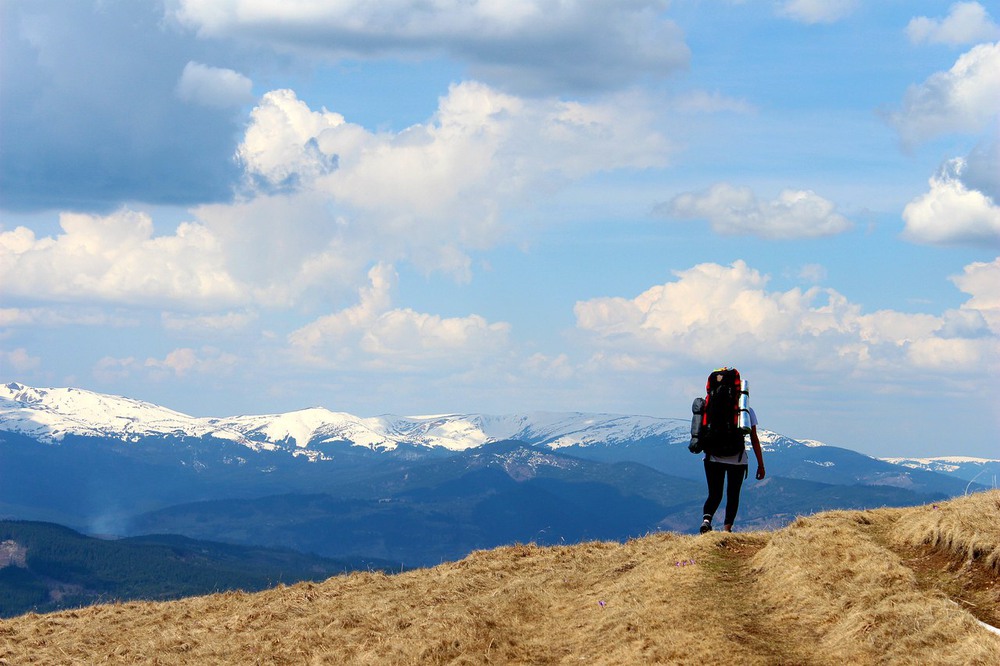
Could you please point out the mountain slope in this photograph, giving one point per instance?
(498, 494)
(885, 586)
(45, 567)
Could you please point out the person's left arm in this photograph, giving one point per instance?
(755, 443)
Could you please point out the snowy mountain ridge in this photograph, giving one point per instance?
(49, 414)
(980, 470)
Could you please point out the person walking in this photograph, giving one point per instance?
(726, 474)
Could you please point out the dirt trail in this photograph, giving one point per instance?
(729, 588)
(746, 618)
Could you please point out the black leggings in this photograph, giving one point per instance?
(719, 474)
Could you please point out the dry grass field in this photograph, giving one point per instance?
(889, 586)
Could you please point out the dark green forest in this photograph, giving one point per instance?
(65, 569)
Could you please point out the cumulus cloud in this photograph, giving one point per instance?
(476, 132)
(529, 45)
(733, 211)
(213, 86)
(951, 212)
(117, 258)
(428, 194)
(373, 334)
(966, 23)
(981, 280)
(713, 314)
(325, 198)
(817, 11)
(963, 99)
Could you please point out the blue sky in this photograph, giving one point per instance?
(500, 206)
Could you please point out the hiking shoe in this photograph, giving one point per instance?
(706, 526)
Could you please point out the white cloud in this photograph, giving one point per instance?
(733, 211)
(477, 135)
(213, 86)
(207, 361)
(534, 45)
(282, 246)
(17, 361)
(428, 194)
(721, 314)
(963, 99)
(981, 281)
(374, 335)
(558, 368)
(814, 273)
(117, 258)
(951, 212)
(280, 142)
(817, 11)
(110, 369)
(966, 23)
(325, 198)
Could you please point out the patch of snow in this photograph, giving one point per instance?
(952, 460)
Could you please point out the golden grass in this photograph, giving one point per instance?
(966, 527)
(828, 589)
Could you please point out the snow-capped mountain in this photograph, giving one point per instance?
(50, 414)
(981, 470)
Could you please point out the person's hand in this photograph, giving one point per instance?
(760, 472)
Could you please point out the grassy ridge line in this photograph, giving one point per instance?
(966, 527)
(828, 580)
(827, 590)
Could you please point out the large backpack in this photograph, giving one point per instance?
(721, 434)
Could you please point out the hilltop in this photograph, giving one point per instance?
(911, 585)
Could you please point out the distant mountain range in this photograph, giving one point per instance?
(979, 470)
(49, 415)
(417, 490)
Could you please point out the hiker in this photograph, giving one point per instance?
(721, 420)
(729, 471)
